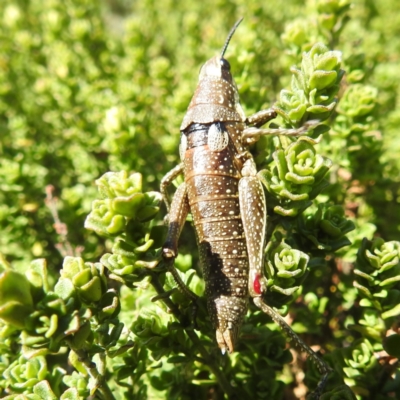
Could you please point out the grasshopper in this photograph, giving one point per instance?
(225, 196)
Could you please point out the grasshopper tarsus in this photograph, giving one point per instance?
(316, 394)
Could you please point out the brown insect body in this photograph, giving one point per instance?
(226, 199)
(213, 155)
(212, 185)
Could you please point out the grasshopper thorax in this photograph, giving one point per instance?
(216, 98)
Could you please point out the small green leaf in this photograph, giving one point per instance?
(43, 389)
(15, 286)
(91, 291)
(64, 288)
(70, 394)
(322, 79)
(128, 206)
(394, 312)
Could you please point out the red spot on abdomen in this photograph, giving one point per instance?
(257, 284)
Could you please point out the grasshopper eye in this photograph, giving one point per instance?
(225, 64)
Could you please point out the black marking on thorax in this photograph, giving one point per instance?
(197, 134)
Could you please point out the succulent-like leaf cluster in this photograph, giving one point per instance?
(378, 276)
(285, 267)
(77, 312)
(314, 86)
(358, 361)
(79, 97)
(121, 201)
(297, 177)
(326, 228)
(377, 283)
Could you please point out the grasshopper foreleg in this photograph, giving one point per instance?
(167, 180)
(261, 117)
(252, 134)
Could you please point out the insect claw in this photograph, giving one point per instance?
(168, 253)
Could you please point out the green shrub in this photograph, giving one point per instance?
(95, 92)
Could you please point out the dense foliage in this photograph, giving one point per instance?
(92, 95)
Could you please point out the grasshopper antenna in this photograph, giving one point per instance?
(230, 36)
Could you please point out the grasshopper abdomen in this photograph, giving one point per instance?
(212, 178)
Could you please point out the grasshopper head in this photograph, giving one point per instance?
(218, 67)
(215, 69)
(216, 98)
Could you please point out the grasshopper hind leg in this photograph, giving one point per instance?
(323, 368)
(253, 211)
